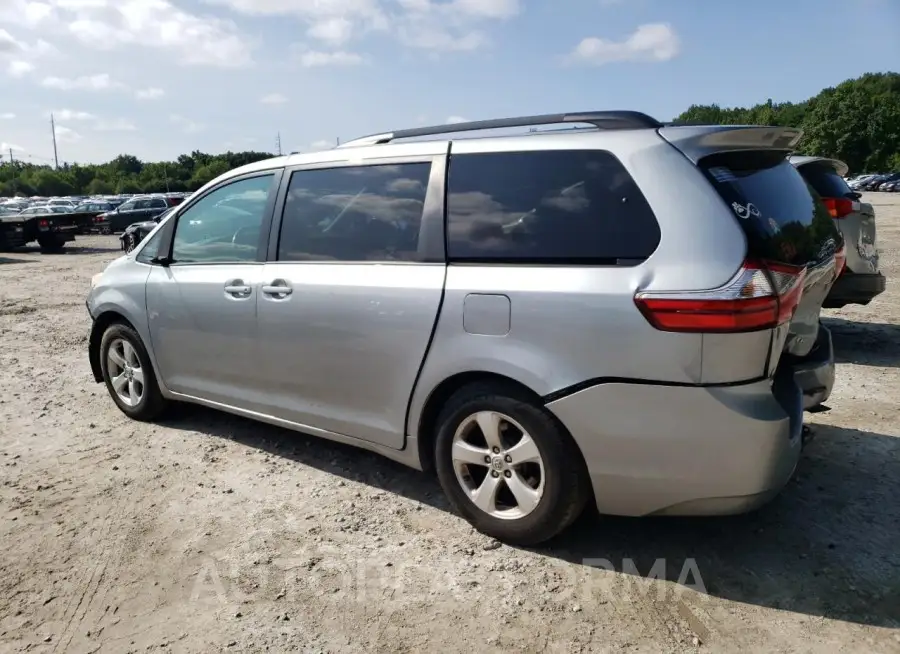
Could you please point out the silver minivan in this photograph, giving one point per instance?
(625, 313)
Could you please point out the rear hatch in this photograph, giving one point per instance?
(855, 220)
(786, 224)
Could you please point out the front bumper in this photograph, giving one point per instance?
(855, 288)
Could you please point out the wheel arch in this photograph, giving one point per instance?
(425, 427)
(99, 327)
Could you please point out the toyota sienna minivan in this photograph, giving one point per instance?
(626, 313)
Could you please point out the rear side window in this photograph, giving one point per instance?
(355, 213)
(826, 182)
(555, 206)
(781, 214)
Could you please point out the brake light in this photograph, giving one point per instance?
(761, 295)
(840, 207)
(44, 223)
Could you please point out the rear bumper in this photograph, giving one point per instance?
(814, 373)
(855, 288)
(686, 450)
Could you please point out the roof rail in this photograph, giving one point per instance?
(599, 119)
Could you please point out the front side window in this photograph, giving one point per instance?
(359, 213)
(127, 206)
(224, 225)
(553, 206)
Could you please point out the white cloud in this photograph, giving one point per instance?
(189, 38)
(6, 147)
(187, 125)
(456, 119)
(19, 68)
(151, 93)
(66, 115)
(9, 44)
(67, 134)
(115, 125)
(273, 98)
(315, 58)
(422, 24)
(99, 82)
(651, 42)
(335, 31)
(321, 145)
(7, 116)
(19, 55)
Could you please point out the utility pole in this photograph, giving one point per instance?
(166, 177)
(53, 131)
(338, 139)
(278, 143)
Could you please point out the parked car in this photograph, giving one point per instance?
(873, 183)
(861, 281)
(50, 226)
(627, 315)
(136, 232)
(891, 187)
(12, 232)
(887, 179)
(131, 211)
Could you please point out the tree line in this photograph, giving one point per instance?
(857, 121)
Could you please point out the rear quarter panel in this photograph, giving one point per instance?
(571, 325)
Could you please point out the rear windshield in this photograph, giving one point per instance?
(782, 216)
(825, 180)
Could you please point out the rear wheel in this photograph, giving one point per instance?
(129, 375)
(508, 466)
(51, 244)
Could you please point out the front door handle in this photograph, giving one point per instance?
(237, 288)
(279, 288)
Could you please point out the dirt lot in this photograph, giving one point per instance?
(212, 533)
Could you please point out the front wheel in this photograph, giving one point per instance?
(508, 466)
(129, 375)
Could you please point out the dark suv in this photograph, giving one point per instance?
(135, 210)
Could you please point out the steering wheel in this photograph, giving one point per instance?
(234, 239)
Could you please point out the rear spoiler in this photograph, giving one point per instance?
(696, 142)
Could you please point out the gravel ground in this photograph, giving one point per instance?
(213, 533)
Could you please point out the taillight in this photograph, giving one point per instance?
(840, 207)
(760, 296)
(44, 223)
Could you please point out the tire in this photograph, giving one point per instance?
(150, 404)
(127, 244)
(50, 244)
(564, 486)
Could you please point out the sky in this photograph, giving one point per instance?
(158, 78)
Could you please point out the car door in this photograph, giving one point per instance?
(157, 206)
(351, 292)
(123, 216)
(201, 301)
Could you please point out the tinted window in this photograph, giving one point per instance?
(825, 180)
(782, 216)
(158, 203)
(554, 206)
(127, 206)
(224, 224)
(366, 213)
